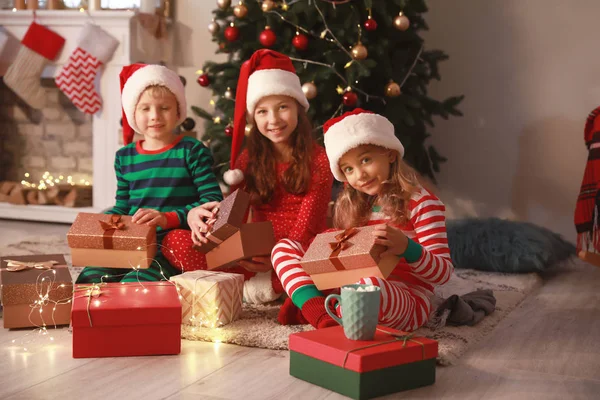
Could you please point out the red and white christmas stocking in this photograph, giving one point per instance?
(76, 78)
(40, 45)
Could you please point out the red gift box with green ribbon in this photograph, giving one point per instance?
(126, 319)
(111, 241)
(392, 362)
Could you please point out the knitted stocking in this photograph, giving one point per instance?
(76, 77)
(40, 45)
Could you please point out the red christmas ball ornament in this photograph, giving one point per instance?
(350, 99)
(232, 33)
(267, 37)
(370, 24)
(203, 80)
(300, 42)
(229, 130)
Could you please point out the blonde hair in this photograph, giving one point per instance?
(159, 91)
(353, 207)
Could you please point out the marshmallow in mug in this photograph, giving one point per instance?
(370, 288)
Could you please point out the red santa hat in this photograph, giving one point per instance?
(355, 128)
(266, 73)
(135, 79)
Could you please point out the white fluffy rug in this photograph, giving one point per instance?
(258, 326)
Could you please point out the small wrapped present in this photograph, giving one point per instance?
(254, 239)
(393, 361)
(36, 291)
(344, 257)
(126, 319)
(111, 241)
(210, 299)
(230, 217)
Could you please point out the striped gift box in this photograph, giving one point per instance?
(209, 299)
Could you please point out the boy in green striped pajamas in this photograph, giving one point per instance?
(162, 177)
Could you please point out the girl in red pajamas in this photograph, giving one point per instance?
(286, 173)
(380, 189)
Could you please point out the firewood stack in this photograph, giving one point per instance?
(62, 195)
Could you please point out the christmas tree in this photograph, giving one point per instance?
(347, 53)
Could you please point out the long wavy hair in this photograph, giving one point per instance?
(261, 174)
(353, 207)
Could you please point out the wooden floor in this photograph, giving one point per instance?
(548, 348)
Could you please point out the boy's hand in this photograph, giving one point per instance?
(257, 264)
(395, 240)
(150, 217)
(197, 218)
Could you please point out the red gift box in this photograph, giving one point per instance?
(126, 319)
(393, 361)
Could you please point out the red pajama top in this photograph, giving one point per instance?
(297, 217)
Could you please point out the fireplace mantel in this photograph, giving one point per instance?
(106, 123)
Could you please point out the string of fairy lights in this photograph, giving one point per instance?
(48, 180)
(357, 53)
(45, 286)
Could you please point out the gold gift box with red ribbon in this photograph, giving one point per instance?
(343, 257)
(111, 241)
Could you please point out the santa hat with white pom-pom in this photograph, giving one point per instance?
(266, 73)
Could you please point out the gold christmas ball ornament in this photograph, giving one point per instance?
(392, 89)
(359, 52)
(240, 11)
(310, 90)
(214, 27)
(223, 4)
(228, 94)
(267, 5)
(401, 22)
(248, 129)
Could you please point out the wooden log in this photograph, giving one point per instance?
(78, 196)
(7, 186)
(32, 197)
(17, 196)
(42, 197)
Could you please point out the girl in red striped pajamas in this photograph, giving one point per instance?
(380, 189)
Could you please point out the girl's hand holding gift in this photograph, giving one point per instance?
(198, 219)
(395, 240)
(257, 264)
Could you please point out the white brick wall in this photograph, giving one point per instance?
(57, 139)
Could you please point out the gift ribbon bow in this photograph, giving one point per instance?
(341, 243)
(404, 337)
(91, 291)
(14, 266)
(110, 228)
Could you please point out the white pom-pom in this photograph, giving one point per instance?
(259, 289)
(233, 176)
